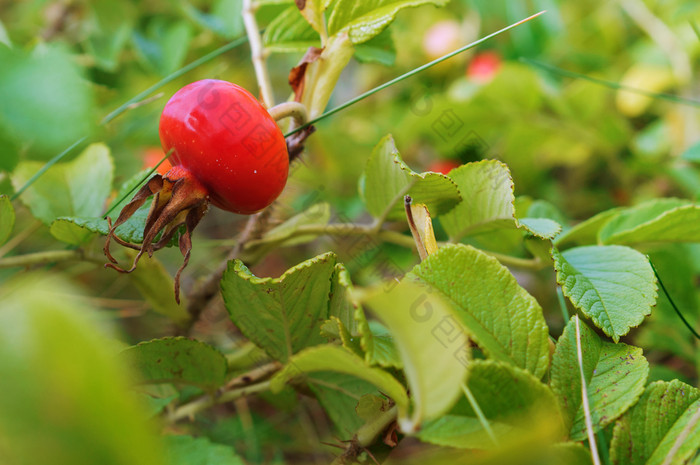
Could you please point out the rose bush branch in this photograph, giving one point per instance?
(257, 53)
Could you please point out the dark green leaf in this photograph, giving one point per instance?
(186, 450)
(338, 394)
(615, 377)
(281, 315)
(328, 358)
(177, 360)
(646, 434)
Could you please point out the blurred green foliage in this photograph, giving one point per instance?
(574, 148)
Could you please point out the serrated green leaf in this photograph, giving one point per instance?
(334, 329)
(290, 32)
(341, 303)
(615, 378)
(65, 400)
(660, 220)
(387, 179)
(338, 394)
(543, 228)
(612, 285)
(338, 360)
(281, 315)
(46, 104)
(487, 189)
(76, 230)
(432, 343)
(156, 285)
(586, 232)
(501, 317)
(364, 20)
(647, 432)
(177, 360)
(186, 450)
(7, 218)
(77, 188)
(511, 399)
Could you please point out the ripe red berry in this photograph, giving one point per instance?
(225, 148)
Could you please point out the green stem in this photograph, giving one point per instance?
(413, 72)
(366, 436)
(479, 414)
(527, 263)
(46, 167)
(562, 304)
(369, 432)
(611, 84)
(202, 403)
(42, 258)
(173, 76)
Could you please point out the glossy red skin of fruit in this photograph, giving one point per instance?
(443, 166)
(225, 139)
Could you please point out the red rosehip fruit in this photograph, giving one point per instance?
(224, 148)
